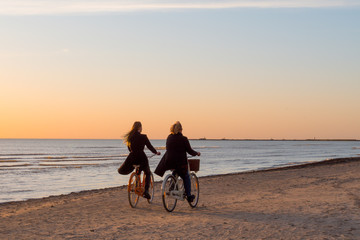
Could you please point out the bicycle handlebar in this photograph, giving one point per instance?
(151, 155)
(189, 156)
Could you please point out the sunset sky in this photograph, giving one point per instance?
(224, 69)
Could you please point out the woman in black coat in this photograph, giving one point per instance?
(175, 157)
(136, 143)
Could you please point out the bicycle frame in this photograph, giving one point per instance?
(140, 184)
(136, 187)
(139, 188)
(179, 194)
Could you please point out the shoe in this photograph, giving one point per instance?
(190, 198)
(146, 195)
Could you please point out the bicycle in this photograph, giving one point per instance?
(136, 186)
(172, 188)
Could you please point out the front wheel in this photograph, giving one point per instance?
(168, 185)
(151, 188)
(195, 190)
(134, 183)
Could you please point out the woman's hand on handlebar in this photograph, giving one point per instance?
(198, 153)
(158, 153)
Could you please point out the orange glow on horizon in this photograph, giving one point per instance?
(268, 74)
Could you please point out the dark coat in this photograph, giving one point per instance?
(137, 155)
(175, 157)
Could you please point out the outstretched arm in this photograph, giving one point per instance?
(189, 149)
(150, 147)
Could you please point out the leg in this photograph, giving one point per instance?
(147, 172)
(187, 183)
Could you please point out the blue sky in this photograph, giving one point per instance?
(248, 69)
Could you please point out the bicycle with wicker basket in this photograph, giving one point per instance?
(172, 188)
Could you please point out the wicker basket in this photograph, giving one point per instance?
(194, 164)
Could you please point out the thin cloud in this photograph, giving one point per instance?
(59, 7)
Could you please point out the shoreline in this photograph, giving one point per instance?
(311, 201)
(271, 169)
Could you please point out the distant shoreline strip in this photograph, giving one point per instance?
(308, 140)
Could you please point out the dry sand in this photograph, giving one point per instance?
(316, 201)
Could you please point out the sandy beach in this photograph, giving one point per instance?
(313, 201)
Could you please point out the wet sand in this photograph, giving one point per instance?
(312, 201)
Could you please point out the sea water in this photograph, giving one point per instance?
(36, 168)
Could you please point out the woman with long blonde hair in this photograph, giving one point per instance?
(177, 147)
(136, 142)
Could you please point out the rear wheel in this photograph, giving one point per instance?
(134, 182)
(168, 185)
(195, 190)
(151, 188)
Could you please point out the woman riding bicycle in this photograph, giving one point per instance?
(136, 143)
(175, 157)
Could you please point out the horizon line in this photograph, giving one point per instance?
(55, 7)
(203, 139)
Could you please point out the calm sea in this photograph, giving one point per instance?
(40, 168)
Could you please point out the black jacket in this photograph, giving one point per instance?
(137, 155)
(175, 157)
